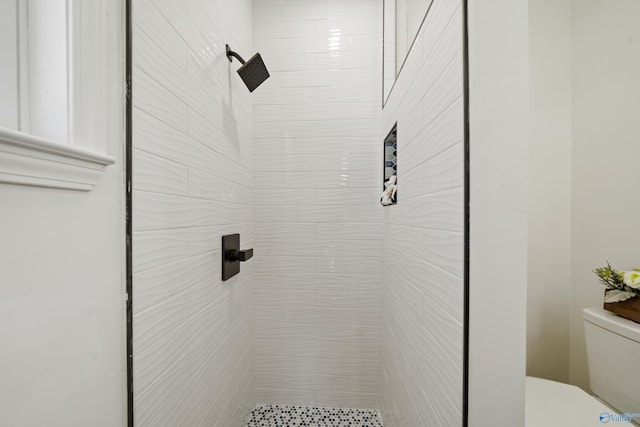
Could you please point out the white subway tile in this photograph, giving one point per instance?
(320, 112)
(266, 14)
(311, 153)
(442, 135)
(349, 26)
(365, 77)
(366, 248)
(155, 322)
(283, 197)
(288, 162)
(207, 130)
(237, 172)
(443, 94)
(316, 11)
(359, 145)
(311, 44)
(268, 215)
(313, 248)
(288, 61)
(276, 396)
(347, 93)
(162, 211)
(200, 185)
(284, 29)
(204, 239)
(423, 289)
(265, 147)
(315, 145)
(152, 98)
(267, 180)
(288, 129)
(365, 10)
(364, 110)
(283, 95)
(160, 283)
(151, 22)
(309, 180)
(352, 341)
(202, 295)
(334, 196)
(410, 180)
(235, 213)
(348, 265)
(268, 47)
(267, 113)
(315, 78)
(350, 298)
(160, 356)
(348, 128)
(367, 179)
(352, 231)
(155, 137)
(156, 248)
(205, 15)
(441, 211)
(159, 175)
(165, 401)
(272, 264)
(366, 42)
(192, 116)
(444, 171)
(179, 20)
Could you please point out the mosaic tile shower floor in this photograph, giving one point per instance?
(311, 416)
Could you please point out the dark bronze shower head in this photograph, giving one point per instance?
(252, 72)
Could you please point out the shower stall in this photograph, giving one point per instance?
(345, 304)
(115, 309)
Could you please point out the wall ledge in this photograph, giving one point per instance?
(29, 160)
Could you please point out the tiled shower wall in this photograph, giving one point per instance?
(317, 182)
(422, 331)
(193, 333)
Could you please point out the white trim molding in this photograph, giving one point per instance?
(29, 160)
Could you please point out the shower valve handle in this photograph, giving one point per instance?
(241, 255)
(232, 255)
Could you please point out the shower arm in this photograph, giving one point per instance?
(231, 53)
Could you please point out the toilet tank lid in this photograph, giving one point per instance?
(612, 322)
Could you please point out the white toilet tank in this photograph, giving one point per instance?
(613, 355)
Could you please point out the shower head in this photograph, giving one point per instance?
(253, 72)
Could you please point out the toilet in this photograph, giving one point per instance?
(613, 353)
(613, 357)
(554, 404)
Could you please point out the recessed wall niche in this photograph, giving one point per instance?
(390, 168)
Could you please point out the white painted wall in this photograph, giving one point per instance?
(583, 99)
(606, 105)
(499, 138)
(62, 358)
(8, 65)
(193, 333)
(549, 255)
(47, 69)
(422, 330)
(317, 181)
(34, 75)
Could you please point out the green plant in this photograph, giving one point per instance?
(621, 285)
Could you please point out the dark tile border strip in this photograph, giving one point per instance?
(129, 204)
(467, 181)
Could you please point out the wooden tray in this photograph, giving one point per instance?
(629, 309)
